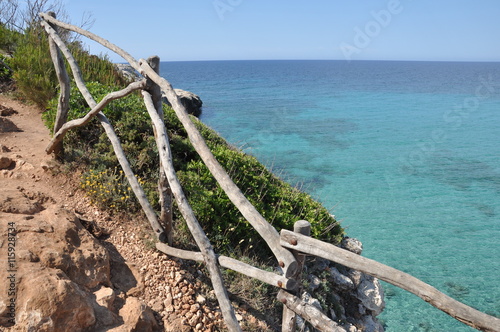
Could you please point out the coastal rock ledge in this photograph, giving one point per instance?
(357, 298)
(191, 101)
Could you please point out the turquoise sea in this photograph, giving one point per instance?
(405, 154)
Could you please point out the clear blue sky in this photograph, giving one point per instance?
(442, 30)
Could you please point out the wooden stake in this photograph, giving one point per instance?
(289, 320)
(309, 312)
(194, 227)
(270, 278)
(64, 93)
(164, 190)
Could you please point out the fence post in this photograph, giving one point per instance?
(289, 317)
(164, 190)
(64, 94)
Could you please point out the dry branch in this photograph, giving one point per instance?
(309, 312)
(289, 320)
(194, 227)
(58, 137)
(452, 307)
(265, 276)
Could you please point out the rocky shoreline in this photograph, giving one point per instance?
(357, 298)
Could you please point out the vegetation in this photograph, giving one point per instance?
(33, 69)
(88, 149)
(280, 203)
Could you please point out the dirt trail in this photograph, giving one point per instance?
(23, 138)
(179, 299)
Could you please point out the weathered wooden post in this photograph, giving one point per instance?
(289, 317)
(64, 86)
(164, 190)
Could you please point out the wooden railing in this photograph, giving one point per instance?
(288, 247)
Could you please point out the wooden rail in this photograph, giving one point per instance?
(288, 247)
(452, 307)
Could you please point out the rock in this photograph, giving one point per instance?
(46, 165)
(355, 276)
(200, 299)
(320, 264)
(137, 316)
(371, 325)
(3, 148)
(71, 249)
(191, 102)
(105, 297)
(7, 111)
(352, 244)
(7, 126)
(48, 301)
(14, 201)
(349, 327)
(339, 280)
(157, 305)
(6, 162)
(371, 295)
(128, 71)
(314, 282)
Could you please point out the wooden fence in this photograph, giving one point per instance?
(288, 247)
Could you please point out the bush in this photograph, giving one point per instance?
(8, 40)
(5, 73)
(33, 70)
(280, 203)
(96, 68)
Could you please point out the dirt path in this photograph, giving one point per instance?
(23, 138)
(173, 289)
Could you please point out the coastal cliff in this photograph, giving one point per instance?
(96, 269)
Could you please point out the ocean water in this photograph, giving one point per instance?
(405, 154)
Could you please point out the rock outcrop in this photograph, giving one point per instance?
(358, 298)
(59, 274)
(191, 101)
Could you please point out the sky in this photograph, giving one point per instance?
(189, 30)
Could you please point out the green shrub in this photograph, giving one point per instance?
(5, 73)
(96, 68)
(108, 189)
(8, 39)
(33, 70)
(280, 203)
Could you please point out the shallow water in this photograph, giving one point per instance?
(405, 154)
